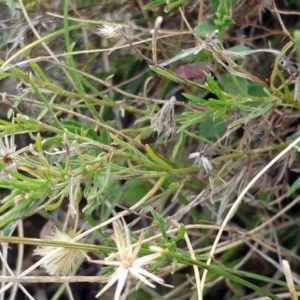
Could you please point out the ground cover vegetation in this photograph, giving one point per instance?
(149, 149)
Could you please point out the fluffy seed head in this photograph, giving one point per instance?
(65, 261)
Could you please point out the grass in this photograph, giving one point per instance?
(149, 143)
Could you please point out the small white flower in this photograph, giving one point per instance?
(202, 160)
(110, 30)
(7, 151)
(7, 145)
(127, 262)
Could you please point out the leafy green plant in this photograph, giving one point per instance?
(198, 183)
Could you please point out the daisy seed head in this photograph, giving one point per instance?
(110, 31)
(65, 261)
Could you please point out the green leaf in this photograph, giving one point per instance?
(215, 4)
(180, 234)
(81, 129)
(69, 47)
(41, 96)
(195, 118)
(170, 4)
(154, 3)
(194, 98)
(173, 5)
(297, 43)
(234, 85)
(9, 3)
(134, 190)
(255, 114)
(158, 160)
(160, 223)
(295, 186)
(256, 90)
(261, 111)
(239, 48)
(205, 28)
(214, 88)
(222, 18)
(130, 148)
(30, 202)
(211, 128)
(7, 229)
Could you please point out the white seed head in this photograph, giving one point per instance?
(110, 31)
(65, 261)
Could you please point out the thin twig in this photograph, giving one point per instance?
(281, 22)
